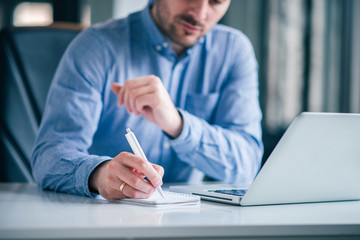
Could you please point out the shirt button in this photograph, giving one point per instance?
(158, 47)
(165, 44)
(166, 145)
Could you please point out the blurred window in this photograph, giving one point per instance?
(86, 14)
(309, 57)
(33, 14)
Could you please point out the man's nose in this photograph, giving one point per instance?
(199, 9)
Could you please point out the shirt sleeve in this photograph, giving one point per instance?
(60, 159)
(229, 148)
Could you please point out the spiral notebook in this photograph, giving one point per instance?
(170, 199)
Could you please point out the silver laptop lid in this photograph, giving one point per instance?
(317, 159)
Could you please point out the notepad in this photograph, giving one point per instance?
(170, 199)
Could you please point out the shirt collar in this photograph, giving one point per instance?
(158, 41)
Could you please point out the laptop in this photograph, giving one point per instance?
(316, 160)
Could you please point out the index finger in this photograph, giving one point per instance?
(115, 87)
(159, 169)
(118, 90)
(143, 166)
(141, 81)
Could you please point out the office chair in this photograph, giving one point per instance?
(28, 59)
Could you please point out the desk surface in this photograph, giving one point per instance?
(27, 212)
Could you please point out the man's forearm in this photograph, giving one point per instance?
(226, 154)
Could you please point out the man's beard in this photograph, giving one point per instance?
(175, 37)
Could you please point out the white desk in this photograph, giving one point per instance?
(29, 213)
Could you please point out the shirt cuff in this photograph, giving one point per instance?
(190, 135)
(84, 171)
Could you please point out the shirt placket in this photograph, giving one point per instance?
(174, 88)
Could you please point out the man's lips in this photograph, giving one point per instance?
(189, 27)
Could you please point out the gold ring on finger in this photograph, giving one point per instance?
(122, 187)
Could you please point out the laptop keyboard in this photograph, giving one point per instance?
(236, 192)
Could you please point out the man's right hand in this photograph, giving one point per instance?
(131, 169)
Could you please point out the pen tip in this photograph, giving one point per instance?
(161, 192)
(128, 130)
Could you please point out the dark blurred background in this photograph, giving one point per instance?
(308, 50)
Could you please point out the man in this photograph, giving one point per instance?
(185, 86)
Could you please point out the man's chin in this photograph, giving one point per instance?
(188, 42)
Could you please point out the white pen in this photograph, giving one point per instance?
(135, 146)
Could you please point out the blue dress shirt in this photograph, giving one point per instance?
(214, 84)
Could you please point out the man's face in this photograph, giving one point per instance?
(183, 22)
